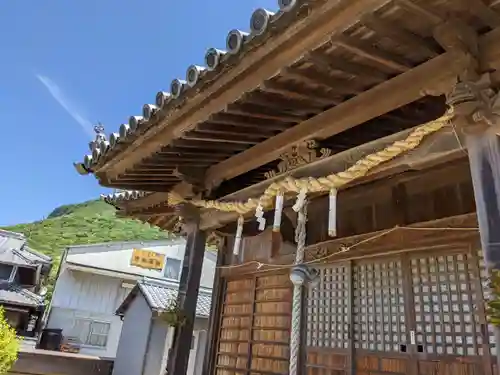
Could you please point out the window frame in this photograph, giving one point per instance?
(13, 271)
(86, 341)
(90, 334)
(179, 269)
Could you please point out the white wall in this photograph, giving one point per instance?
(133, 347)
(79, 298)
(117, 257)
(84, 295)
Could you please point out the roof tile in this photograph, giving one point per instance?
(159, 295)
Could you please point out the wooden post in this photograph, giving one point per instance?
(211, 348)
(484, 157)
(188, 290)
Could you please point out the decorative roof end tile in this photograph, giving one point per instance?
(260, 21)
(148, 111)
(162, 98)
(135, 122)
(177, 87)
(213, 58)
(235, 40)
(80, 168)
(114, 139)
(194, 73)
(287, 5)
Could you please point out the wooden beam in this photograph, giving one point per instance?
(419, 11)
(153, 211)
(400, 34)
(258, 65)
(483, 12)
(369, 52)
(385, 97)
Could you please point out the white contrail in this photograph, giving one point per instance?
(66, 103)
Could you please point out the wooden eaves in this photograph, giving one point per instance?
(353, 72)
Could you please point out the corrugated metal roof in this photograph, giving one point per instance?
(17, 296)
(159, 295)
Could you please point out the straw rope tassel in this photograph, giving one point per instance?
(332, 213)
(259, 214)
(237, 239)
(295, 339)
(325, 184)
(278, 211)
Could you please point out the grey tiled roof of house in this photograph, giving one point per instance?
(159, 295)
(15, 295)
(13, 250)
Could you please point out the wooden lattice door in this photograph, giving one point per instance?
(255, 326)
(451, 332)
(416, 314)
(380, 317)
(328, 323)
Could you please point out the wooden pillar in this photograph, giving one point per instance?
(211, 348)
(188, 290)
(484, 157)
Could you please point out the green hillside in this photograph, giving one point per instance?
(83, 223)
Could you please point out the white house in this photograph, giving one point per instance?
(146, 338)
(94, 280)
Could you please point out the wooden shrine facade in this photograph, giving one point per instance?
(309, 92)
(402, 301)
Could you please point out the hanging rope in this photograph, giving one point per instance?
(328, 183)
(295, 333)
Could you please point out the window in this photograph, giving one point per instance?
(90, 332)
(25, 276)
(5, 271)
(172, 269)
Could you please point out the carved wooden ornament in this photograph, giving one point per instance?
(301, 154)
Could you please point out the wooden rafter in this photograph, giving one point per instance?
(387, 96)
(265, 61)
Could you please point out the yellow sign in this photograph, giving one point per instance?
(147, 259)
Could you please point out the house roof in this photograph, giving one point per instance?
(14, 250)
(159, 295)
(295, 87)
(11, 294)
(263, 24)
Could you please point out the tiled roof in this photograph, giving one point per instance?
(263, 23)
(17, 296)
(159, 295)
(124, 195)
(13, 250)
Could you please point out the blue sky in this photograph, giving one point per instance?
(68, 64)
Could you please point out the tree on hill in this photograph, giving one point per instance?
(79, 224)
(9, 344)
